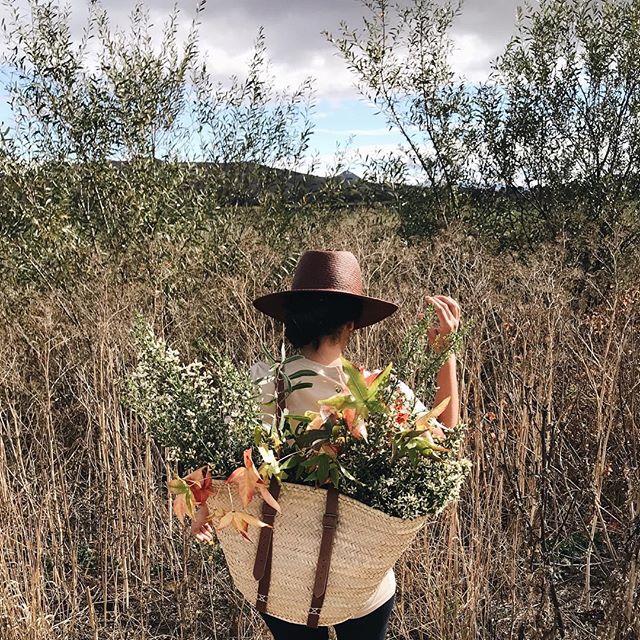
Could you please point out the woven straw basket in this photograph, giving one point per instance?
(366, 544)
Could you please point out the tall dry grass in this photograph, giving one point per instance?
(544, 542)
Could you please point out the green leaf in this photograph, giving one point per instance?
(299, 418)
(376, 406)
(323, 469)
(313, 460)
(346, 473)
(292, 358)
(356, 382)
(291, 461)
(287, 382)
(301, 385)
(339, 401)
(302, 372)
(312, 436)
(380, 379)
(270, 358)
(410, 434)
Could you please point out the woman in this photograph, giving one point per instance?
(323, 308)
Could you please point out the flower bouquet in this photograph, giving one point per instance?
(387, 466)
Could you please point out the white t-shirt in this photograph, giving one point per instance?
(326, 383)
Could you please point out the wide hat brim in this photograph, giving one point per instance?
(373, 309)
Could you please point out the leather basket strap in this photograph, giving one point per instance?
(329, 524)
(262, 564)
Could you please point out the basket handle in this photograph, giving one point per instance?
(329, 523)
(262, 564)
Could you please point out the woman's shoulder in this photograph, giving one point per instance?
(259, 370)
(262, 369)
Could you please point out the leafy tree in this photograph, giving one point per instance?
(545, 150)
(559, 121)
(119, 148)
(400, 59)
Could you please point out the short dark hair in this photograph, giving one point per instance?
(312, 315)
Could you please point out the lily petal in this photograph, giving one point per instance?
(268, 498)
(433, 413)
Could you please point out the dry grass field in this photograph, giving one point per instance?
(544, 542)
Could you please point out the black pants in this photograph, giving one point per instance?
(373, 626)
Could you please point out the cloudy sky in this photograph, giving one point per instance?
(298, 49)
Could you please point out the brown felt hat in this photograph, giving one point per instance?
(330, 272)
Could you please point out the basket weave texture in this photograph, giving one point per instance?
(366, 545)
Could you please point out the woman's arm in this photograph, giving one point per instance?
(448, 312)
(447, 382)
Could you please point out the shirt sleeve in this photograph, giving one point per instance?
(415, 405)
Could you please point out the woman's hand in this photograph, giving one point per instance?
(200, 527)
(448, 313)
(204, 534)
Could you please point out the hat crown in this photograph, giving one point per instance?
(330, 270)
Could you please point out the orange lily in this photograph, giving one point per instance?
(240, 521)
(249, 481)
(190, 491)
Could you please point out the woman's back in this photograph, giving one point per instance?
(327, 382)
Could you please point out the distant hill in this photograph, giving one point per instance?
(348, 177)
(244, 183)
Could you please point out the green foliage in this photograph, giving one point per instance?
(119, 149)
(126, 151)
(209, 415)
(547, 149)
(400, 61)
(203, 414)
(418, 363)
(559, 120)
(393, 464)
(420, 480)
(406, 487)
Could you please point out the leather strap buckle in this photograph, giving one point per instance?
(329, 520)
(268, 517)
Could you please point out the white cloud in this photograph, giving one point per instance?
(471, 56)
(294, 35)
(331, 78)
